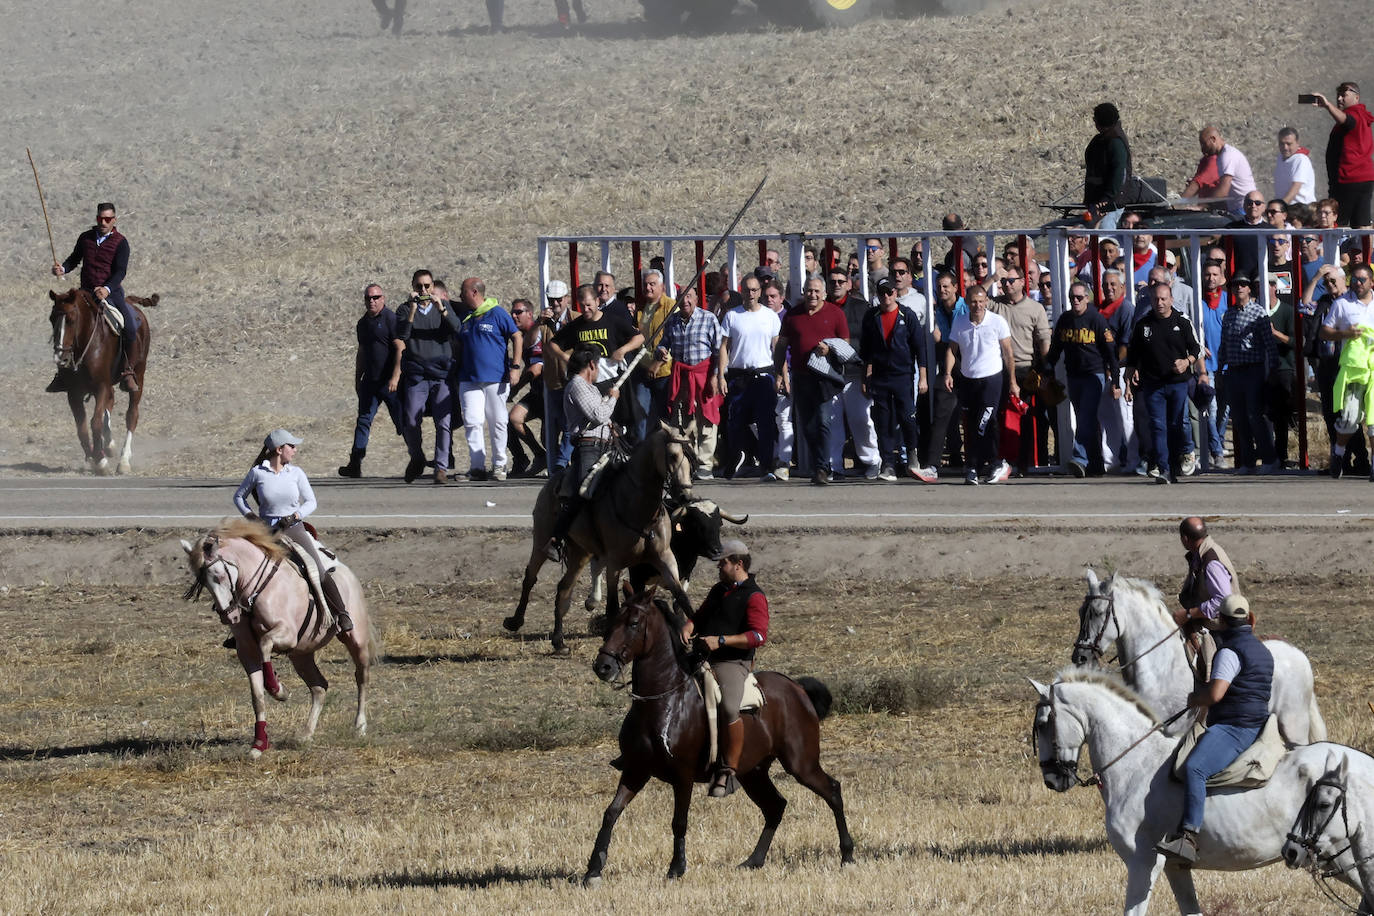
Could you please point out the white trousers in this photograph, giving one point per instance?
(853, 411)
(786, 437)
(1120, 446)
(484, 408)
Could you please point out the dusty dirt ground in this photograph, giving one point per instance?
(125, 784)
(268, 164)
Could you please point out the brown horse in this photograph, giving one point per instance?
(267, 605)
(625, 525)
(87, 351)
(664, 734)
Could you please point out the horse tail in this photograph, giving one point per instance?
(1316, 725)
(819, 694)
(374, 641)
(145, 301)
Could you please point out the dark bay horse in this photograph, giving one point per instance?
(626, 524)
(664, 735)
(266, 604)
(88, 350)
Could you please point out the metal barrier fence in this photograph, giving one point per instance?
(960, 247)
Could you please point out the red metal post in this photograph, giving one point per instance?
(959, 263)
(638, 268)
(1023, 248)
(763, 252)
(1228, 244)
(828, 262)
(1095, 247)
(891, 251)
(573, 282)
(701, 273)
(1300, 375)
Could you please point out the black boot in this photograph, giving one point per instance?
(566, 516)
(336, 602)
(354, 468)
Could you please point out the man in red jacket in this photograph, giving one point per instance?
(1350, 154)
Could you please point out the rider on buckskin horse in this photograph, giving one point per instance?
(285, 498)
(732, 622)
(103, 254)
(588, 413)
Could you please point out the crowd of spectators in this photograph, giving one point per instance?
(843, 369)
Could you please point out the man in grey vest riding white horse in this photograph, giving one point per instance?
(1237, 703)
(1211, 577)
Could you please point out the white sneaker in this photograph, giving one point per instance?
(885, 473)
(704, 475)
(498, 474)
(782, 473)
(1190, 464)
(1002, 472)
(925, 475)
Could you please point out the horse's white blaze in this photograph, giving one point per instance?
(1241, 829)
(1162, 675)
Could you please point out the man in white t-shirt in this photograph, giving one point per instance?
(1350, 317)
(1295, 181)
(748, 334)
(982, 341)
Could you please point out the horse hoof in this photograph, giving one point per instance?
(102, 468)
(124, 467)
(512, 623)
(561, 651)
(254, 753)
(751, 864)
(360, 729)
(848, 865)
(591, 881)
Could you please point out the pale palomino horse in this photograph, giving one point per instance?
(259, 595)
(1329, 835)
(1131, 615)
(1133, 759)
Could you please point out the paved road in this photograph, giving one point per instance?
(82, 503)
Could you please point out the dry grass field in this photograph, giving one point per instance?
(126, 785)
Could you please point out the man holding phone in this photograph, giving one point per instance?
(1349, 153)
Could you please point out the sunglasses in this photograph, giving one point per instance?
(1254, 203)
(1273, 212)
(424, 286)
(875, 247)
(375, 297)
(1079, 298)
(519, 311)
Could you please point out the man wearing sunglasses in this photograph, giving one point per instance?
(426, 329)
(371, 369)
(103, 254)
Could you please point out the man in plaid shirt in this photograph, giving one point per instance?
(691, 340)
(1248, 354)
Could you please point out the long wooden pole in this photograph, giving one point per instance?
(44, 205)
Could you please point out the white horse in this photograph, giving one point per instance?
(1242, 828)
(1131, 615)
(1328, 835)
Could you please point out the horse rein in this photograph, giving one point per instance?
(1069, 768)
(62, 354)
(1324, 866)
(231, 569)
(1093, 644)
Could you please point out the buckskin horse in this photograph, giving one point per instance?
(88, 350)
(268, 607)
(624, 525)
(665, 734)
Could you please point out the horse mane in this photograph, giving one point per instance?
(1112, 683)
(1147, 591)
(255, 533)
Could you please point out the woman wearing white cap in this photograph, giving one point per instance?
(284, 498)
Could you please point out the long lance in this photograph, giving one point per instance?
(44, 205)
(696, 274)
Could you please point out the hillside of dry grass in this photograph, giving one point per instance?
(268, 164)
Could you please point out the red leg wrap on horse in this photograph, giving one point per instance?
(260, 742)
(269, 679)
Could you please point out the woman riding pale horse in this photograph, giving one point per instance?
(268, 606)
(1131, 615)
(1132, 761)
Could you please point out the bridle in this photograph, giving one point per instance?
(1067, 765)
(623, 660)
(62, 354)
(239, 605)
(1093, 643)
(1324, 865)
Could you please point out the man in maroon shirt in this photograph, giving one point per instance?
(103, 254)
(805, 330)
(731, 623)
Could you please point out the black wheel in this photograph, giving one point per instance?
(699, 14)
(663, 14)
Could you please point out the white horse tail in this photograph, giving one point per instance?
(1316, 725)
(374, 640)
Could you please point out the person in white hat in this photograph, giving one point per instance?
(285, 498)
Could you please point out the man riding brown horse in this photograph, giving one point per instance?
(103, 253)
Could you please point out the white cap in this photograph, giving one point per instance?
(279, 437)
(556, 289)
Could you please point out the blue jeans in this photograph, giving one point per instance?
(557, 442)
(421, 396)
(372, 395)
(1166, 403)
(1217, 415)
(1085, 394)
(1215, 751)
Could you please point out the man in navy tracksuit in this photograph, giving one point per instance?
(893, 346)
(1237, 704)
(1089, 349)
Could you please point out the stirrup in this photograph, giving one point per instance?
(127, 381)
(1180, 848)
(725, 783)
